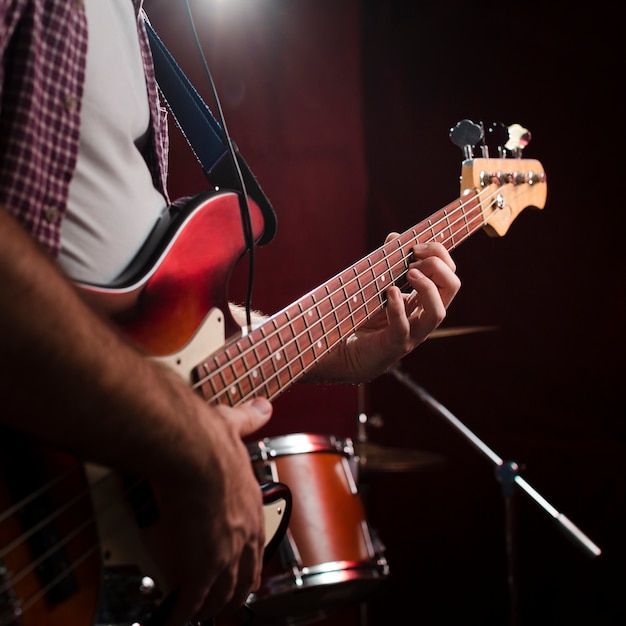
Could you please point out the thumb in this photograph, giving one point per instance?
(254, 413)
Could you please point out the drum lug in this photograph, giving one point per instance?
(349, 472)
(290, 556)
(374, 545)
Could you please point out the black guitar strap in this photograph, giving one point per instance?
(203, 133)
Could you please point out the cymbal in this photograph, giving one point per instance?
(374, 458)
(453, 331)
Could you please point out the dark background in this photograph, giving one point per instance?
(342, 110)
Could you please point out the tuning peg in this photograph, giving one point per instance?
(519, 138)
(466, 134)
(496, 137)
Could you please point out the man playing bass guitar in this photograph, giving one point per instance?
(83, 162)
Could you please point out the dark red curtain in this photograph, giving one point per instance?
(342, 110)
(288, 77)
(544, 389)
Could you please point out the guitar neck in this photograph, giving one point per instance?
(268, 359)
(273, 356)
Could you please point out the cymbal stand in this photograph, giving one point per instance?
(362, 419)
(507, 474)
(362, 437)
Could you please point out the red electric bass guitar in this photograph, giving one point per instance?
(67, 534)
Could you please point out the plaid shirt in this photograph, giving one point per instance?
(43, 48)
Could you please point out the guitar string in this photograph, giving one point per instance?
(335, 326)
(32, 496)
(90, 520)
(322, 319)
(85, 493)
(38, 595)
(41, 523)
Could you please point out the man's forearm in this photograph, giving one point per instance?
(68, 377)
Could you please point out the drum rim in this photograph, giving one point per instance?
(299, 443)
(330, 573)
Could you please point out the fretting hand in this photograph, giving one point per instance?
(405, 322)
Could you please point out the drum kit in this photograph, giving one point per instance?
(330, 558)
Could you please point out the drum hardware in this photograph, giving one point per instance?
(377, 459)
(455, 331)
(373, 458)
(367, 532)
(291, 559)
(350, 472)
(507, 474)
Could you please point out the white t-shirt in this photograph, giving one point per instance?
(113, 204)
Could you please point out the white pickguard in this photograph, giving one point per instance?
(121, 542)
(209, 337)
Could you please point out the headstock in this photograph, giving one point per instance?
(506, 185)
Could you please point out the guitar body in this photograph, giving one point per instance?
(71, 548)
(62, 519)
(180, 277)
(50, 562)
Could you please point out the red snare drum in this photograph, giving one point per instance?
(329, 557)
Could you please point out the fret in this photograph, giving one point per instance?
(332, 332)
(460, 228)
(207, 383)
(415, 239)
(309, 358)
(468, 230)
(291, 350)
(283, 375)
(256, 371)
(301, 341)
(330, 289)
(465, 226)
(248, 371)
(351, 292)
(283, 348)
(372, 294)
(261, 349)
(250, 361)
(398, 262)
(235, 389)
(273, 387)
(307, 315)
(430, 228)
(265, 357)
(340, 301)
(359, 297)
(437, 229)
(229, 376)
(275, 343)
(449, 226)
(475, 213)
(219, 378)
(233, 351)
(316, 327)
(360, 281)
(388, 261)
